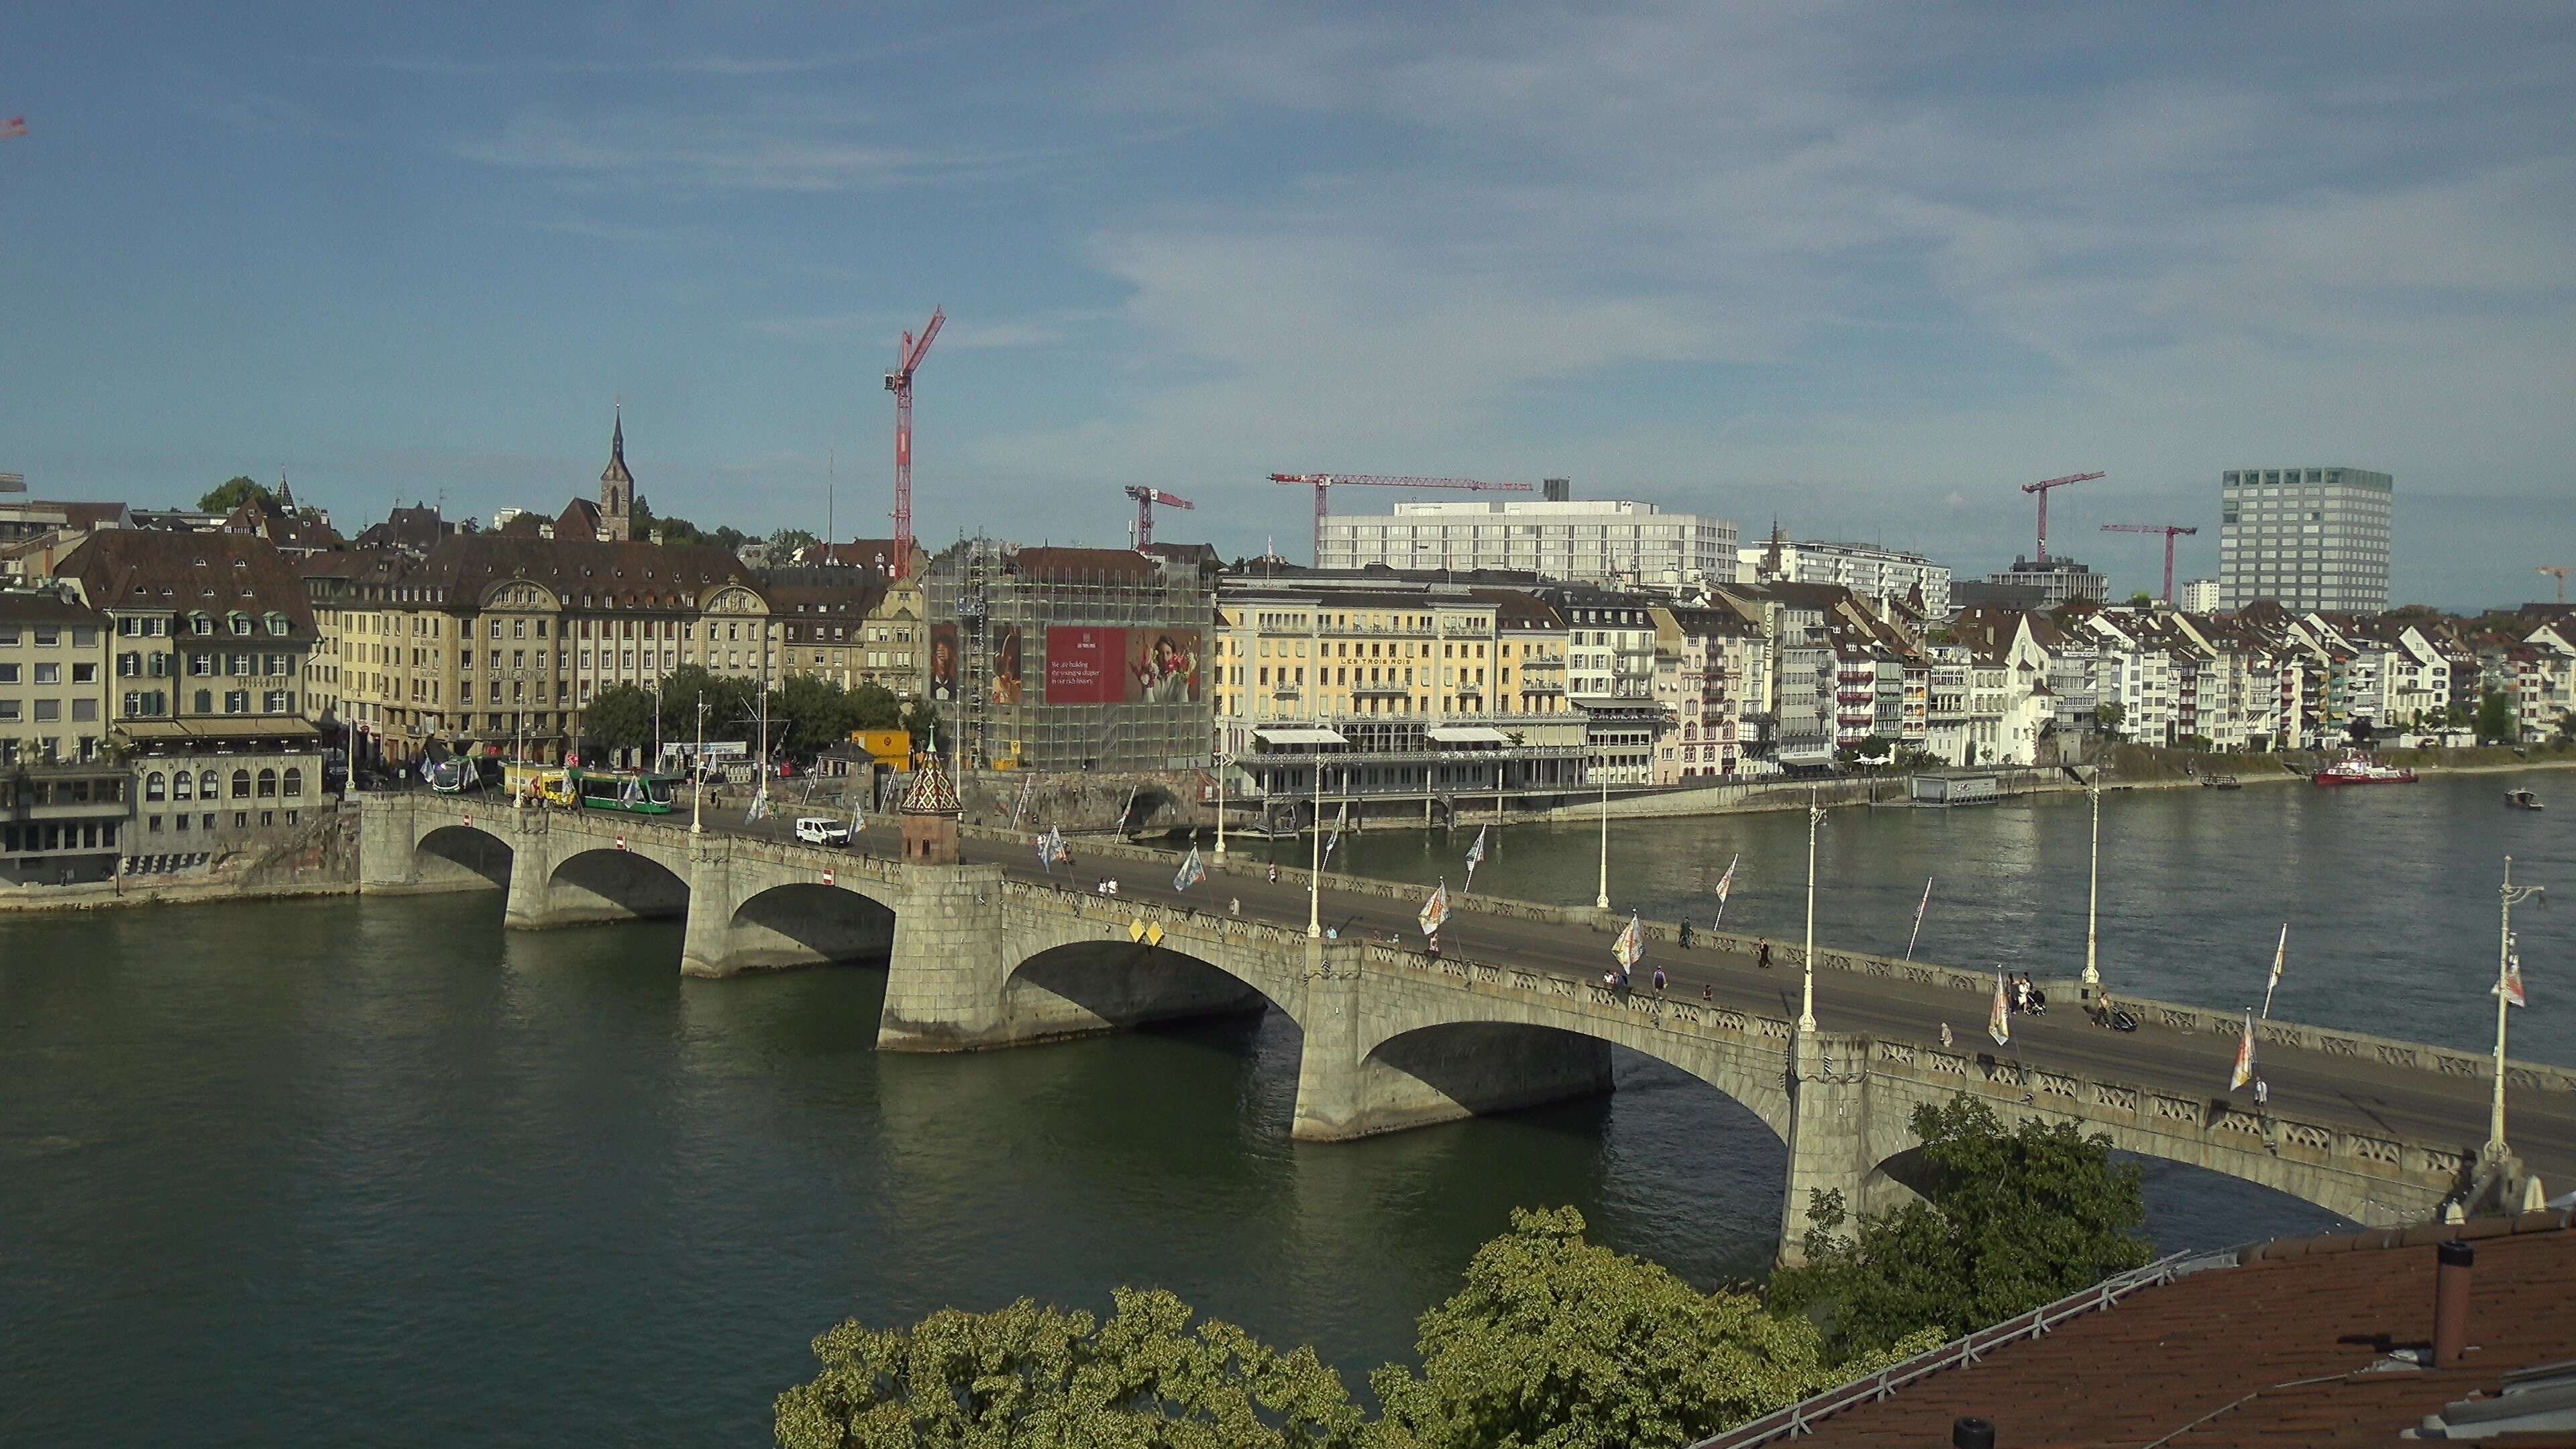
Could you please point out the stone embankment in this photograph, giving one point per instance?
(317, 858)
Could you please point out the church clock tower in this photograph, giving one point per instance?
(617, 489)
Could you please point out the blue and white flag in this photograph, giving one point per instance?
(1051, 848)
(1192, 871)
(1475, 857)
(1334, 840)
(759, 807)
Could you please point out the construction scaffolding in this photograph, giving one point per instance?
(1070, 659)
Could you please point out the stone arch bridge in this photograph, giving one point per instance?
(980, 958)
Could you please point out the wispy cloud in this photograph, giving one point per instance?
(771, 149)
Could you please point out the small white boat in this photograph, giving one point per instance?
(2522, 800)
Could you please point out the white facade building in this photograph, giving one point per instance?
(2200, 596)
(1606, 543)
(2309, 538)
(1885, 575)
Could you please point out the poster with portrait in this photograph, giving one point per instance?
(1163, 666)
(943, 662)
(1085, 665)
(1006, 664)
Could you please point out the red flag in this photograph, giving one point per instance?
(13, 128)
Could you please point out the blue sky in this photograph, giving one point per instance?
(1862, 266)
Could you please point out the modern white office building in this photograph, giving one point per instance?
(1884, 574)
(2200, 596)
(2307, 538)
(1605, 543)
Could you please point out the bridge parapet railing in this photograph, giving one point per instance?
(1670, 1013)
(2215, 1120)
(2168, 1015)
(1117, 912)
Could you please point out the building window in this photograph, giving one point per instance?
(268, 784)
(241, 820)
(241, 784)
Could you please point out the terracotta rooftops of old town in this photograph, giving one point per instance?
(2306, 1342)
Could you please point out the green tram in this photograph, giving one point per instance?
(631, 791)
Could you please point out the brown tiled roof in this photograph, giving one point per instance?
(632, 575)
(44, 606)
(869, 553)
(84, 516)
(135, 568)
(2290, 1349)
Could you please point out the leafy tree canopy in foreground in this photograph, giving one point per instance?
(232, 493)
(2018, 1219)
(1049, 1379)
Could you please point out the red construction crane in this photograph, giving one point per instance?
(2562, 580)
(1324, 483)
(2167, 529)
(908, 355)
(1146, 498)
(2041, 488)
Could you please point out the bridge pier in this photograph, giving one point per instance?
(1829, 1136)
(1348, 1088)
(946, 978)
(706, 943)
(532, 869)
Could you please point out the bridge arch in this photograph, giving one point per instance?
(1480, 1064)
(608, 884)
(805, 923)
(462, 855)
(1083, 986)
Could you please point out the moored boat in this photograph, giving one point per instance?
(2522, 800)
(2358, 769)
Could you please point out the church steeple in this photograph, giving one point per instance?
(617, 487)
(285, 495)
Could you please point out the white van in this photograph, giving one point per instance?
(822, 830)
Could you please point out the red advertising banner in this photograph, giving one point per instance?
(1086, 665)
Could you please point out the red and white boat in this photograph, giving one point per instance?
(2356, 769)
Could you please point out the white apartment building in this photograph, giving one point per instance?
(2308, 538)
(1882, 575)
(1605, 544)
(2200, 596)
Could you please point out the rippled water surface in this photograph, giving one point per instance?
(379, 1172)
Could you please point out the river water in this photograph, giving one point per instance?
(380, 1172)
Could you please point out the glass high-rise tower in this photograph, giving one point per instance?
(2307, 538)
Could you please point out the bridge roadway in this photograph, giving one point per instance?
(993, 951)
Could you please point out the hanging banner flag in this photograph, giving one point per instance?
(1475, 857)
(2511, 986)
(1334, 841)
(759, 806)
(1630, 948)
(1051, 848)
(1725, 883)
(1919, 906)
(2244, 1057)
(1190, 873)
(1435, 910)
(1999, 1015)
(2280, 958)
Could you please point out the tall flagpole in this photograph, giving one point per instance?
(2504, 961)
(1603, 902)
(1920, 907)
(1221, 761)
(1807, 986)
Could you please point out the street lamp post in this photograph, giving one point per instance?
(2511, 895)
(1807, 959)
(1315, 871)
(698, 769)
(2093, 903)
(1602, 901)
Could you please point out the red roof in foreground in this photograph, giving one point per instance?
(2288, 1349)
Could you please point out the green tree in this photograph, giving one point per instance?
(2016, 1219)
(1042, 1376)
(2495, 719)
(920, 717)
(232, 493)
(619, 717)
(808, 712)
(733, 704)
(2110, 714)
(2142, 600)
(874, 707)
(1559, 1342)
(787, 540)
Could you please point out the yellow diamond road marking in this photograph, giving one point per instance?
(1154, 934)
(1136, 930)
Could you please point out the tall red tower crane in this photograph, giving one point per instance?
(1324, 483)
(1146, 498)
(2167, 529)
(2041, 488)
(908, 355)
